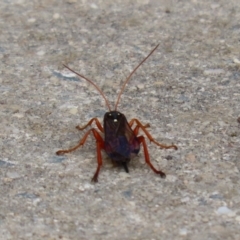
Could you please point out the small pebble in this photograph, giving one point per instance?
(171, 178)
(18, 115)
(13, 175)
(235, 60)
(41, 53)
(94, 6)
(31, 20)
(159, 83)
(140, 86)
(238, 219)
(215, 5)
(109, 74)
(169, 157)
(190, 157)
(73, 110)
(222, 124)
(86, 186)
(183, 232)
(225, 211)
(124, 175)
(214, 71)
(56, 16)
(185, 199)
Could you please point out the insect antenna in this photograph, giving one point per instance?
(90, 81)
(128, 78)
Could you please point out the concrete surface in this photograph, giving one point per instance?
(188, 91)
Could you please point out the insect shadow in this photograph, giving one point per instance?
(121, 140)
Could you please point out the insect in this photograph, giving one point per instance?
(121, 141)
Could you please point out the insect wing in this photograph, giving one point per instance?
(120, 141)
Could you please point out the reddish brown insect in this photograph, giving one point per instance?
(121, 142)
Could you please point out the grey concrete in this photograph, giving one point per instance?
(188, 91)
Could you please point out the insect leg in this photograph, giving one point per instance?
(81, 143)
(136, 129)
(133, 120)
(100, 146)
(90, 123)
(147, 158)
(143, 127)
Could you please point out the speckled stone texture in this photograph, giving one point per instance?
(188, 90)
